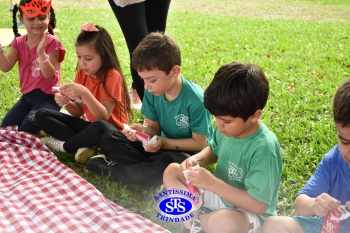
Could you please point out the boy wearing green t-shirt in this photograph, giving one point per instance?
(244, 188)
(176, 115)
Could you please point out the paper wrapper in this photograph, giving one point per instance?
(195, 191)
(144, 138)
(72, 98)
(332, 220)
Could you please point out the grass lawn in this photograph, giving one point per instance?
(303, 47)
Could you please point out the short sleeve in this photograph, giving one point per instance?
(263, 177)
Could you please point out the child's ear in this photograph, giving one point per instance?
(256, 116)
(176, 70)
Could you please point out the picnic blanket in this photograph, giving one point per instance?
(40, 194)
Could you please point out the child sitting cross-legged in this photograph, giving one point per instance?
(38, 54)
(176, 115)
(243, 190)
(329, 186)
(98, 95)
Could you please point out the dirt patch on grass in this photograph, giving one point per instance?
(269, 9)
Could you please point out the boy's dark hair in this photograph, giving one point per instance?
(156, 52)
(237, 90)
(341, 104)
(102, 42)
(16, 8)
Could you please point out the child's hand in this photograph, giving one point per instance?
(201, 177)
(42, 56)
(137, 127)
(61, 100)
(188, 164)
(73, 89)
(155, 146)
(130, 135)
(323, 204)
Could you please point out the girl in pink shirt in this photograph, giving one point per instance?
(39, 55)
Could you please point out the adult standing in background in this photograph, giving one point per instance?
(138, 18)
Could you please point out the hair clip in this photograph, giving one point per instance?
(36, 7)
(88, 27)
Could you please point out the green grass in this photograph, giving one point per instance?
(303, 47)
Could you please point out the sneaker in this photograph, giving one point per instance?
(195, 228)
(135, 99)
(83, 154)
(52, 143)
(159, 189)
(204, 210)
(100, 164)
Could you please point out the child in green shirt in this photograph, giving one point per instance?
(244, 188)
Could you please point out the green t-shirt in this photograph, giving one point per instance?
(180, 117)
(253, 163)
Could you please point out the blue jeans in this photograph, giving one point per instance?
(23, 112)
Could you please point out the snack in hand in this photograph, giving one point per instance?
(144, 138)
(332, 220)
(195, 191)
(72, 98)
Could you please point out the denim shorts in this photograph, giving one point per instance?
(313, 224)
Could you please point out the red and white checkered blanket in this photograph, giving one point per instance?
(40, 194)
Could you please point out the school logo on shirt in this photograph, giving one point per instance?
(182, 121)
(234, 172)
